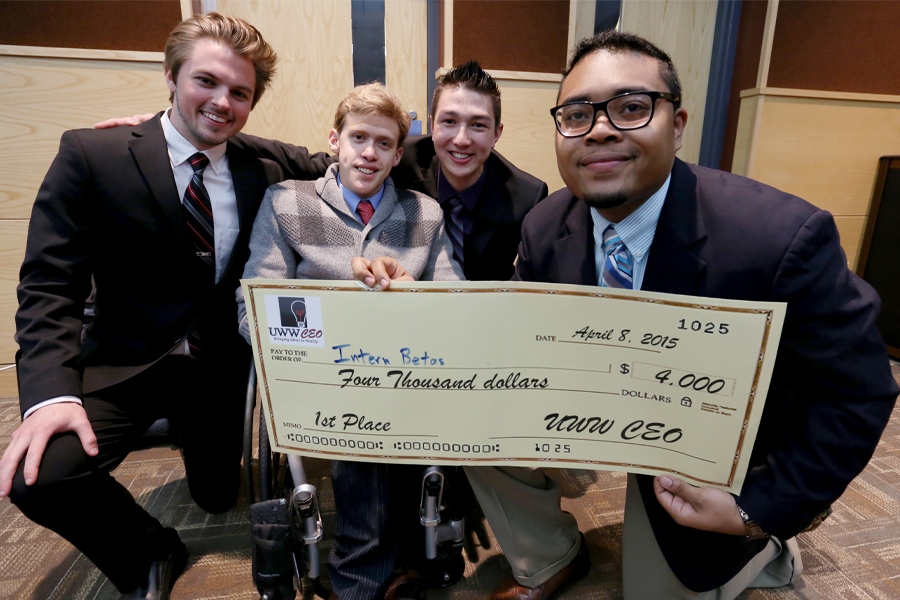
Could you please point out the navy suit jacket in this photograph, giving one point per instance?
(108, 208)
(724, 236)
(507, 196)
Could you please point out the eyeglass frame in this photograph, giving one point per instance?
(601, 106)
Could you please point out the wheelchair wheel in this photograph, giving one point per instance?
(266, 462)
(274, 477)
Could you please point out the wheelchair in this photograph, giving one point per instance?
(287, 522)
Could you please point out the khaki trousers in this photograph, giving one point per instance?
(646, 575)
(522, 506)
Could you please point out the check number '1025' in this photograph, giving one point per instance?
(555, 448)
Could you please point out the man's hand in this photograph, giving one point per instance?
(382, 269)
(708, 509)
(132, 121)
(30, 440)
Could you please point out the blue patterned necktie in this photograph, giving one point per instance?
(617, 268)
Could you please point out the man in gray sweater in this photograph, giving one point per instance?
(312, 230)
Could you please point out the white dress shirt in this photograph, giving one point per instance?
(218, 183)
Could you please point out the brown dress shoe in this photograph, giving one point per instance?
(405, 586)
(575, 570)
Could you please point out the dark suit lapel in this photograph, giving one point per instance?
(248, 192)
(673, 265)
(148, 146)
(428, 177)
(247, 184)
(574, 253)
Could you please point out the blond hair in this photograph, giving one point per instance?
(238, 35)
(373, 99)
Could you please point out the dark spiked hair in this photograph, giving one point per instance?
(617, 41)
(470, 76)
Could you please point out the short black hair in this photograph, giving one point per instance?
(617, 41)
(470, 76)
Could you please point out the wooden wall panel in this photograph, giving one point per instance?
(581, 21)
(745, 134)
(8, 387)
(314, 42)
(831, 166)
(406, 49)
(12, 251)
(684, 29)
(746, 69)
(528, 131)
(40, 98)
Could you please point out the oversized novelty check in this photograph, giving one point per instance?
(514, 374)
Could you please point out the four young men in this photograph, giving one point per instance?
(166, 242)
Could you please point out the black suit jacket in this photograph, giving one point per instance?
(109, 207)
(507, 196)
(724, 236)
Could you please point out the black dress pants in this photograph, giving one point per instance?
(377, 525)
(76, 496)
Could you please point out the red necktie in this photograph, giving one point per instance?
(365, 210)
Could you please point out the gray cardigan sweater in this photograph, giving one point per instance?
(305, 230)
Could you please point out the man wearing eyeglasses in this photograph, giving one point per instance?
(634, 216)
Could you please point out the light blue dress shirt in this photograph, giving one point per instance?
(636, 231)
(353, 200)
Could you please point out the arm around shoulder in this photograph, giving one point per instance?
(296, 161)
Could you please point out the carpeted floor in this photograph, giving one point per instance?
(854, 555)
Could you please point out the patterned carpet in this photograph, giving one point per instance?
(854, 555)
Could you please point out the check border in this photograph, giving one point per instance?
(411, 288)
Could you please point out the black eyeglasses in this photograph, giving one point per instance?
(626, 111)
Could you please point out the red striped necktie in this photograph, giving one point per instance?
(199, 216)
